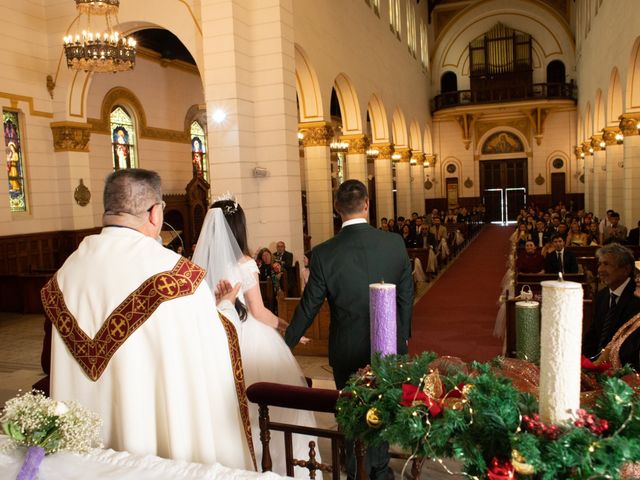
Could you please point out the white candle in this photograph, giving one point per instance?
(560, 339)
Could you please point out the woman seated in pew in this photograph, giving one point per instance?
(409, 240)
(530, 261)
(576, 238)
(593, 234)
(520, 236)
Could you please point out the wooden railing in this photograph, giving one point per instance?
(536, 91)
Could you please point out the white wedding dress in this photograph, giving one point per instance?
(266, 358)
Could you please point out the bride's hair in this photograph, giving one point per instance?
(234, 215)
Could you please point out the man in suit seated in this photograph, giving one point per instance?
(559, 259)
(614, 304)
(634, 237)
(540, 235)
(281, 255)
(616, 232)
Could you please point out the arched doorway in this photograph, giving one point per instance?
(503, 177)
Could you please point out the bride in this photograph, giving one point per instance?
(222, 249)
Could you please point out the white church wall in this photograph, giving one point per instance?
(166, 94)
(23, 71)
(348, 37)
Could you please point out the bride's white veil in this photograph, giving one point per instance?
(218, 252)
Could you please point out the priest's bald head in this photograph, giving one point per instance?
(352, 200)
(133, 198)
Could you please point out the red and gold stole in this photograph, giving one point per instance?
(94, 354)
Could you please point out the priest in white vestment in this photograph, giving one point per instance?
(167, 384)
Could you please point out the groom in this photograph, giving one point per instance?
(341, 270)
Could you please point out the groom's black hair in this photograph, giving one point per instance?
(350, 197)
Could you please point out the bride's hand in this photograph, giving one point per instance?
(224, 291)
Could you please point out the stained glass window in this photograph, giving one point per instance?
(123, 139)
(199, 151)
(15, 161)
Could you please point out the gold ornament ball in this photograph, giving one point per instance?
(520, 464)
(373, 418)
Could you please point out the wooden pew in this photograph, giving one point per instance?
(421, 254)
(534, 281)
(318, 332)
(510, 328)
(268, 295)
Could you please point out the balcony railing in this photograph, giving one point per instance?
(536, 91)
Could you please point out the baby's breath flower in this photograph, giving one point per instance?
(33, 419)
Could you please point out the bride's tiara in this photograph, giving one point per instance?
(227, 196)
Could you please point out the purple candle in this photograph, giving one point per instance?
(382, 308)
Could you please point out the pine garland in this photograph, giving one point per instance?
(479, 418)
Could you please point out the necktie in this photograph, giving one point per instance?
(560, 262)
(606, 333)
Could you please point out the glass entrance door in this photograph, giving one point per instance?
(504, 204)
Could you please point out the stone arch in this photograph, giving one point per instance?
(553, 39)
(598, 113)
(349, 105)
(378, 119)
(443, 174)
(310, 103)
(179, 20)
(566, 169)
(428, 141)
(197, 113)
(614, 99)
(511, 130)
(415, 137)
(633, 79)
(399, 128)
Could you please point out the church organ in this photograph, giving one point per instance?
(501, 60)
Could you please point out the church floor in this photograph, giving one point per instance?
(21, 341)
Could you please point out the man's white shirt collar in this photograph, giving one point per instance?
(618, 291)
(354, 221)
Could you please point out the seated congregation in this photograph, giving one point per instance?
(597, 254)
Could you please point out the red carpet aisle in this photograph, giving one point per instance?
(456, 316)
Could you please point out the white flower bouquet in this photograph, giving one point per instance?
(47, 426)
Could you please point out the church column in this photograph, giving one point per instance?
(613, 198)
(317, 165)
(403, 182)
(356, 157)
(383, 181)
(598, 178)
(250, 97)
(417, 182)
(631, 212)
(77, 198)
(588, 176)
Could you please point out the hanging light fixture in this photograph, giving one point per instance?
(103, 50)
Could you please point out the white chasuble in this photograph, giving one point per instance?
(169, 388)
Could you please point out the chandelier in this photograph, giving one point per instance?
(104, 50)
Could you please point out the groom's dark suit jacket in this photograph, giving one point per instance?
(341, 270)
(626, 307)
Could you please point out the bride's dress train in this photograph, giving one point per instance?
(266, 358)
